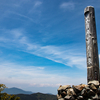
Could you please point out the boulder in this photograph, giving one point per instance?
(96, 83)
(63, 94)
(69, 97)
(64, 87)
(61, 99)
(95, 97)
(93, 87)
(84, 92)
(59, 96)
(80, 98)
(71, 92)
(90, 93)
(78, 88)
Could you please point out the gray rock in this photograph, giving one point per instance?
(69, 98)
(96, 83)
(90, 93)
(64, 87)
(60, 92)
(66, 90)
(93, 87)
(78, 88)
(80, 98)
(87, 92)
(87, 87)
(95, 97)
(61, 99)
(84, 92)
(59, 96)
(63, 94)
(71, 92)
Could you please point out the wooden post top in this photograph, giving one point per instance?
(88, 9)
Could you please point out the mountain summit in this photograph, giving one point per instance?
(15, 90)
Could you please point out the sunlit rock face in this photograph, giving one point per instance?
(80, 92)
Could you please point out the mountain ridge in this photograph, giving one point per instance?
(37, 96)
(28, 95)
(15, 90)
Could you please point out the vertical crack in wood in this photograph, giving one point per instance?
(91, 45)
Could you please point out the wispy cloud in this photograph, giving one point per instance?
(32, 75)
(21, 15)
(35, 7)
(19, 10)
(38, 3)
(60, 54)
(67, 5)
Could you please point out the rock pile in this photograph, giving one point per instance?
(80, 92)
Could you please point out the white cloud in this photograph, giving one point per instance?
(35, 8)
(59, 54)
(38, 3)
(67, 5)
(21, 15)
(19, 10)
(33, 76)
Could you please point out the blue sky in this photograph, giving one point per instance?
(42, 43)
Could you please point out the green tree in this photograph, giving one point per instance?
(5, 96)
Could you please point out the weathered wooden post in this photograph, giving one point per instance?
(91, 45)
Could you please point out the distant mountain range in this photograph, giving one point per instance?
(28, 95)
(16, 91)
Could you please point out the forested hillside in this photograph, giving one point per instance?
(37, 96)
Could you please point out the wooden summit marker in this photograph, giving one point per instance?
(91, 45)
